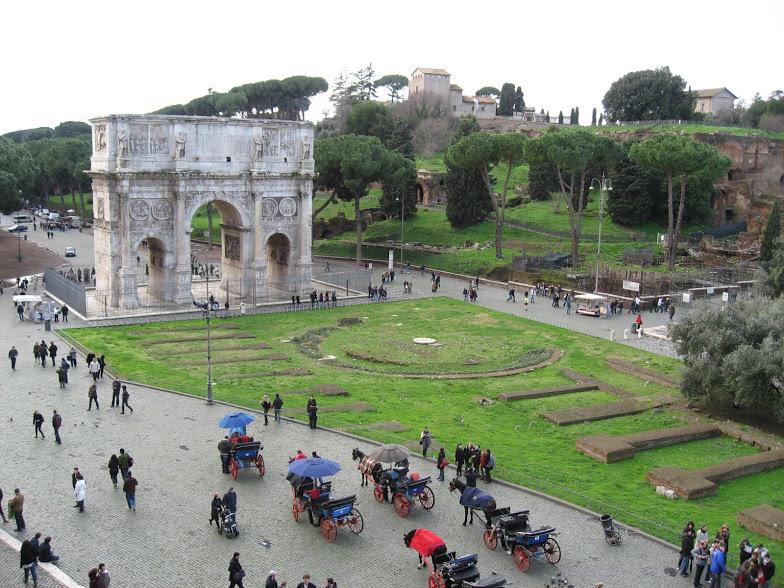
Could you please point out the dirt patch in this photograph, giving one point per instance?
(184, 328)
(599, 412)
(473, 361)
(329, 390)
(192, 338)
(223, 361)
(272, 373)
(203, 349)
(372, 358)
(484, 319)
(545, 392)
(483, 400)
(344, 407)
(349, 321)
(275, 357)
(389, 426)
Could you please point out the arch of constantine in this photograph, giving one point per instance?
(151, 173)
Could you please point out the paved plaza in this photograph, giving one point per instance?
(173, 440)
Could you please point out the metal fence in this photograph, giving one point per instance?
(72, 293)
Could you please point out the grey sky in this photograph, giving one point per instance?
(75, 60)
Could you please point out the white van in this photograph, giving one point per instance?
(23, 218)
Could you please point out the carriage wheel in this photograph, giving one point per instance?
(378, 493)
(297, 508)
(355, 522)
(328, 529)
(552, 551)
(402, 505)
(435, 581)
(431, 582)
(234, 467)
(427, 499)
(260, 465)
(521, 559)
(491, 539)
(612, 537)
(220, 528)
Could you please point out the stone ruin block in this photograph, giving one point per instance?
(605, 448)
(765, 520)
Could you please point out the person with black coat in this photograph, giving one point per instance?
(215, 508)
(266, 405)
(28, 559)
(114, 468)
(230, 500)
(277, 405)
(236, 573)
(471, 476)
(687, 545)
(38, 421)
(312, 410)
(459, 458)
(53, 352)
(45, 553)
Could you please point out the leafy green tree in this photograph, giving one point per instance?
(72, 128)
(772, 278)
(468, 201)
(771, 235)
(362, 85)
(399, 185)
(648, 95)
(393, 83)
(401, 139)
(576, 155)
(542, 181)
(734, 355)
(25, 135)
(547, 117)
(488, 91)
(506, 100)
(560, 117)
(637, 193)
(17, 175)
(372, 119)
(575, 120)
(593, 117)
(519, 101)
(484, 151)
(571, 116)
(678, 158)
(347, 165)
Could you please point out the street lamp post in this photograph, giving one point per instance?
(402, 201)
(208, 316)
(19, 246)
(605, 185)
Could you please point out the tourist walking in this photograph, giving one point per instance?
(230, 500)
(62, 374)
(116, 392)
(92, 394)
(16, 508)
(215, 508)
(129, 487)
(459, 458)
(43, 352)
(36, 352)
(101, 364)
(125, 397)
(717, 565)
(72, 356)
(277, 405)
(272, 581)
(425, 440)
(28, 561)
(20, 312)
(38, 420)
(306, 583)
(700, 557)
(114, 468)
(65, 311)
(95, 368)
(441, 463)
(266, 405)
(12, 355)
(312, 410)
(53, 352)
(103, 576)
(126, 462)
(236, 573)
(80, 492)
(57, 422)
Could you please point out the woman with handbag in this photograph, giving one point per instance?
(441, 463)
(236, 573)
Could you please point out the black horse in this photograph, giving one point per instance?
(369, 470)
(473, 499)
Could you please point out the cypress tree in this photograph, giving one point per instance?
(519, 101)
(560, 117)
(467, 201)
(771, 234)
(547, 117)
(576, 118)
(593, 117)
(571, 116)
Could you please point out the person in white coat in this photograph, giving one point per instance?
(80, 492)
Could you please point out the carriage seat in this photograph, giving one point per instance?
(247, 445)
(409, 482)
(338, 502)
(515, 522)
(539, 531)
(442, 556)
(493, 581)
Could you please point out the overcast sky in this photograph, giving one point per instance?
(75, 60)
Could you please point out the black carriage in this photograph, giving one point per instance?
(404, 491)
(514, 532)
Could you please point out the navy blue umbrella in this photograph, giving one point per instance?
(315, 467)
(235, 420)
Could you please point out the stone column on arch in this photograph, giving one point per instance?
(182, 238)
(258, 262)
(305, 236)
(129, 295)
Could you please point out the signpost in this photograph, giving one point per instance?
(632, 286)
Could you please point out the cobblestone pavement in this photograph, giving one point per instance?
(173, 440)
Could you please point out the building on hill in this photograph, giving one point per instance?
(426, 80)
(713, 100)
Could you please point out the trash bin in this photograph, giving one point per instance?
(634, 328)
(47, 325)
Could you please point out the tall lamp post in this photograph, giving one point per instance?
(604, 185)
(402, 201)
(208, 316)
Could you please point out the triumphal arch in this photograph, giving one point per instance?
(151, 173)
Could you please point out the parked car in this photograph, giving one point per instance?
(18, 229)
(23, 218)
(70, 251)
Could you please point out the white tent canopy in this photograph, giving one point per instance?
(27, 298)
(590, 297)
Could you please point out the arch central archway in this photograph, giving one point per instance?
(278, 260)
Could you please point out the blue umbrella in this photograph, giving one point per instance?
(315, 467)
(235, 420)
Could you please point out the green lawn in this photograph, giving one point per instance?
(693, 129)
(347, 208)
(529, 449)
(73, 202)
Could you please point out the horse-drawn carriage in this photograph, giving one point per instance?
(446, 569)
(313, 495)
(517, 538)
(395, 480)
(246, 455)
